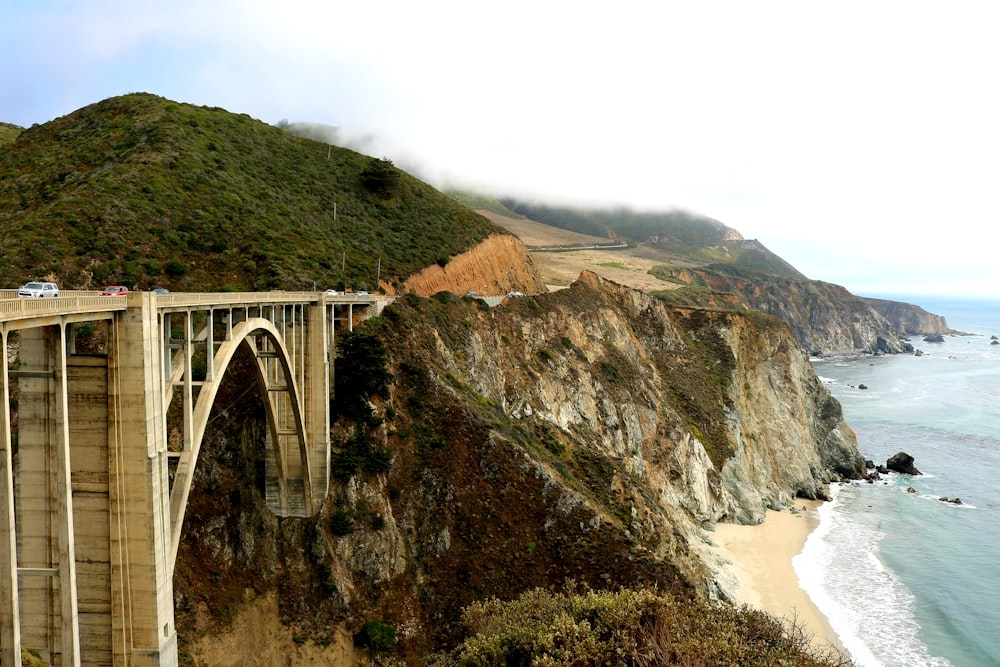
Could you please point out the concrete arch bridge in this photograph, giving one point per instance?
(98, 457)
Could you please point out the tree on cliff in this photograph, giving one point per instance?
(359, 372)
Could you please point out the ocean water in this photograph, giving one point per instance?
(904, 578)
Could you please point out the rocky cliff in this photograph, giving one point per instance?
(591, 434)
(910, 319)
(498, 265)
(826, 318)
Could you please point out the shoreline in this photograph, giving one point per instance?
(761, 558)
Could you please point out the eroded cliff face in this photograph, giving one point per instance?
(910, 319)
(590, 434)
(825, 318)
(498, 265)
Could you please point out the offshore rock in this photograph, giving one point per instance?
(903, 463)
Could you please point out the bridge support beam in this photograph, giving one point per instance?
(316, 387)
(46, 545)
(10, 627)
(142, 585)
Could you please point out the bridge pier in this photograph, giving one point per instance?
(10, 628)
(140, 538)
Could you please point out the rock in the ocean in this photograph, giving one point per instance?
(902, 462)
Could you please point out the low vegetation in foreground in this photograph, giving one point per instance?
(628, 627)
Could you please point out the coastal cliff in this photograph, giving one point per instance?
(910, 319)
(825, 318)
(589, 434)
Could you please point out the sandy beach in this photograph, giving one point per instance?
(761, 558)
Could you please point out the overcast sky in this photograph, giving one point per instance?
(858, 140)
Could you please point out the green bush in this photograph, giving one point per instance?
(176, 268)
(359, 454)
(377, 636)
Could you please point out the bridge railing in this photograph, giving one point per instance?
(13, 308)
(234, 298)
(19, 309)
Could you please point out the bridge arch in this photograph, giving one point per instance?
(111, 484)
(287, 452)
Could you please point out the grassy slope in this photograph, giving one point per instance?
(8, 133)
(140, 190)
(675, 238)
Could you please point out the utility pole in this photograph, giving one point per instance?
(378, 273)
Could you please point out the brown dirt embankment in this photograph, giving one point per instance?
(498, 265)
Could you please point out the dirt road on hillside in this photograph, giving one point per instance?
(559, 269)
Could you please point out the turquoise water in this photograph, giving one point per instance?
(904, 578)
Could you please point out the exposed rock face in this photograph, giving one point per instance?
(498, 265)
(826, 318)
(910, 319)
(587, 434)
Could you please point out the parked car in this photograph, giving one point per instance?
(331, 292)
(37, 290)
(161, 291)
(115, 290)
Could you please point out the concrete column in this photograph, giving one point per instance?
(142, 585)
(10, 627)
(315, 390)
(44, 507)
(69, 635)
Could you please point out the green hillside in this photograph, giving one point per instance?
(8, 133)
(143, 191)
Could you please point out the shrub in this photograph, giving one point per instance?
(359, 454)
(377, 636)
(176, 268)
(629, 627)
(341, 523)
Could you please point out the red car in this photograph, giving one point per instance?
(115, 290)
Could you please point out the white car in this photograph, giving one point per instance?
(362, 293)
(331, 292)
(35, 290)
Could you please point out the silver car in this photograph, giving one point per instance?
(35, 290)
